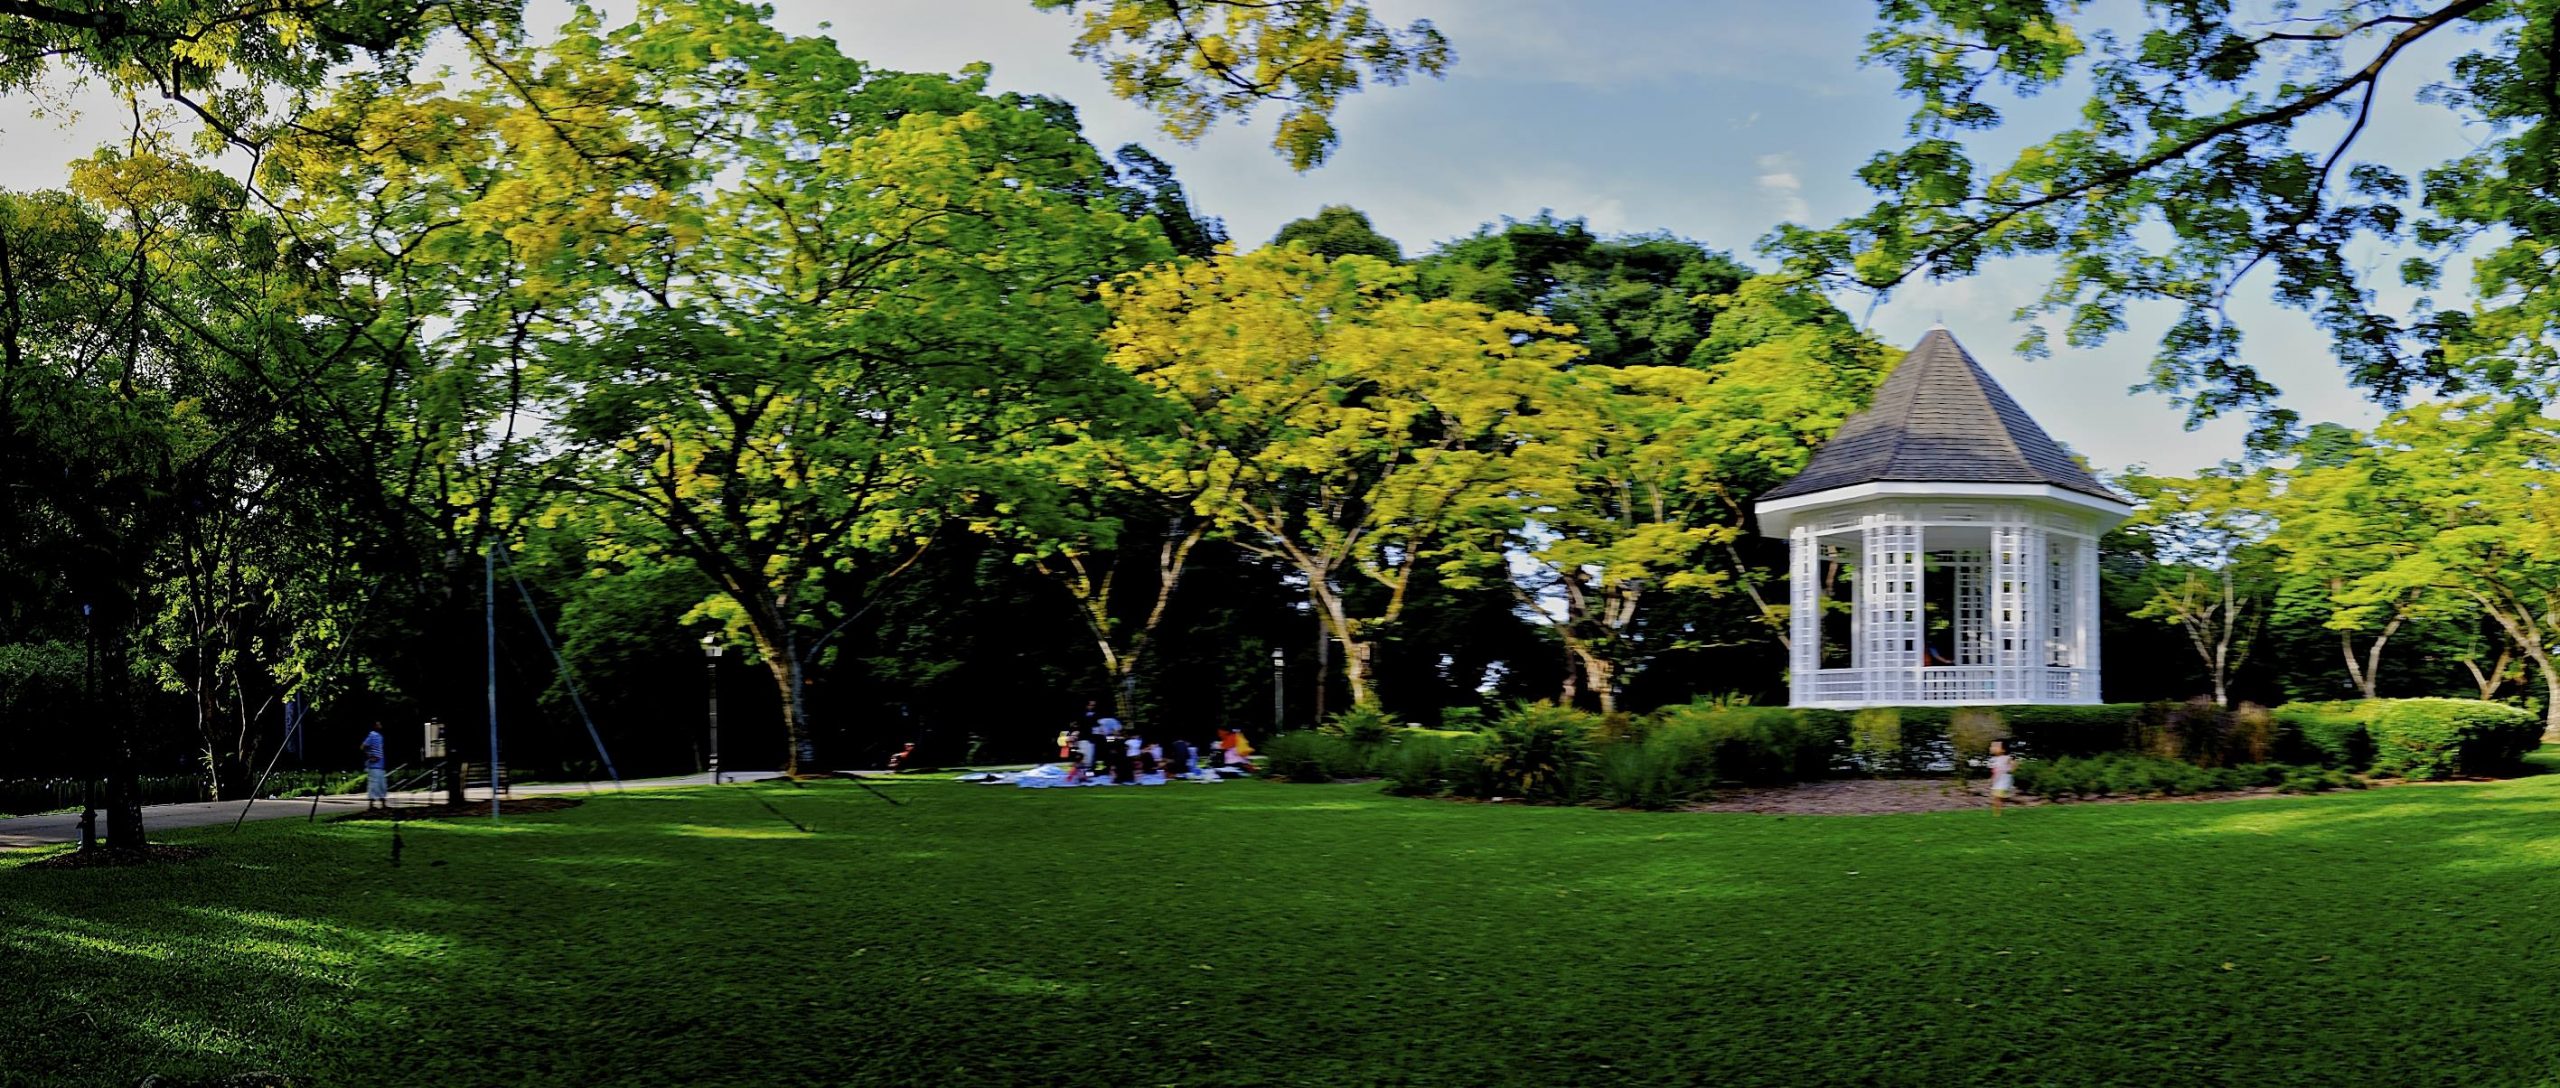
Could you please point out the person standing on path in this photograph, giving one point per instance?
(377, 788)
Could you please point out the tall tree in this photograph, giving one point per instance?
(1353, 429)
(2218, 580)
(2474, 479)
(1641, 481)
(797, 311)
(2336, 526)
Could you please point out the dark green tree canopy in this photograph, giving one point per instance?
(1642, 300)
(1338, 230)
(1150, 189)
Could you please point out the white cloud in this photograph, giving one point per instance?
(1778, 182)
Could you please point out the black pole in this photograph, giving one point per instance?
(489, 613)
(711, 676)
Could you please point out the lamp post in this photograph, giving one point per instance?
(711, 649)
(1279, 691)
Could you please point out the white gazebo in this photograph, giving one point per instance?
(1962, 539)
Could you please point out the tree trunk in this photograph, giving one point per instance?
(124, 785)
(1355, 669)
(2550, 704)
(1324, 663)
(1602, 675)
(803, 754)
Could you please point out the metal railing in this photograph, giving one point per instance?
(1953, 684)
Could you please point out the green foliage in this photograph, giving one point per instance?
(1300, 376)
(2331, 733)
(1336, 231)
(1310, 756)
(1970, 731)
(1641, 300)
(1364, 724)
(1423, 764)
(202, 51)
(1195, 64)
(2317, 779)
(1537, 752)
(2411, 738)
(1875, 738)
(1747, 744)
(2137, 775)
(1462, 719)
(1641, 775)
(2192, 162)
(2439, 738)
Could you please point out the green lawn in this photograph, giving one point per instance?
(1250, 933)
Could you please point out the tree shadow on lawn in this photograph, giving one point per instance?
(2380, 938)
(520, 952)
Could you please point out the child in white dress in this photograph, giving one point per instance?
(2003, 766)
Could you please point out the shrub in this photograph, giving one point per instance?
(2316, 779)
(1462, 719)
(2052, 732)
(1307, 756)
(1362, 724)
(2437, 738)
(2123, 774)
(2413, 738)
(1422, 764)
(1630, 775)
(2328, 733)
(1875, 738)
(1972, 733)
(1620, 727)
(2253, 733)
(2195, 731)
(1748, 743)
(1536, 752)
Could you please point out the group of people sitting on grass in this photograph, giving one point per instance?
(1097, 748)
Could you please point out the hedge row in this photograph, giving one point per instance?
(1550, 754)
(2414, 738)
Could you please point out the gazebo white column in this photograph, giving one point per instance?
(1893, 621)
(1804, 613)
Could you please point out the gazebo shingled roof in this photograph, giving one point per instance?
(1939, 418)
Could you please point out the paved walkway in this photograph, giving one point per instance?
(62, 828)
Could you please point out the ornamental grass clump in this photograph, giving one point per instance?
(1366, 723)
(1753, 744)
(1875, 739)
(1641, 776)
(1423, 764)
(1970, 731)
(1536, 752)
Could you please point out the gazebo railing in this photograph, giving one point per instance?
(1961, 685)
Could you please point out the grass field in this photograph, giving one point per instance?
(1252, 933)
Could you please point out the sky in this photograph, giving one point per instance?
(1715, 121)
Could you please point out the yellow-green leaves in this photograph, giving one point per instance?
(1196, 62)
(1344, 424)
